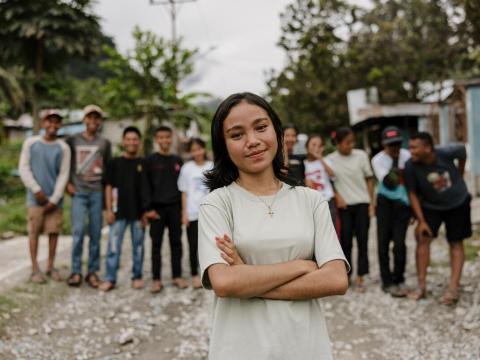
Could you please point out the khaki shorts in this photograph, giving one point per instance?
(50, 223)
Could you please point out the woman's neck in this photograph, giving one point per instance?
(311, 157)
(200, 162)
(263, 184)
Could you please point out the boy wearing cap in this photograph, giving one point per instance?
(44, 169)
(90, 154)
(393, 210)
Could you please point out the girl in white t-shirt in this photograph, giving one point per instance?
(191, 182)
(318, 171)
(262, 240)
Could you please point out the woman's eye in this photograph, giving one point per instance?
(236, 136)
(262, 127)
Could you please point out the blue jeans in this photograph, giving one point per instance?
(86, 204)
(114, 251)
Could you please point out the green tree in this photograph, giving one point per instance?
(144, 83)
(42, 35)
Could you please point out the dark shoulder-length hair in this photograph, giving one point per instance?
(224, 171)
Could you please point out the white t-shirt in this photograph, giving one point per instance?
(316, 173)
(190, 181)
(351, 172)
(382, 163)
(301, 228)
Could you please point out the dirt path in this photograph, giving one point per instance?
(56, 322)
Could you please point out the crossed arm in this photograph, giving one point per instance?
(291, 280)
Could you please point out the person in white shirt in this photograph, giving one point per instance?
(318, 171)
(191, 184)
(354, 196)
(393, 210)
(267, 248)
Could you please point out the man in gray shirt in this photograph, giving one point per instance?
(438, 195)
(90, 155)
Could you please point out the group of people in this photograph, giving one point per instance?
(263, 223)
(424, 183)
(159, 190)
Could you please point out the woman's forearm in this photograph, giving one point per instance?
(248, 281)
(329, 280)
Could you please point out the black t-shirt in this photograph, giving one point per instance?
(296, 168)
(130, 189)
(162, 173)
(440, 185)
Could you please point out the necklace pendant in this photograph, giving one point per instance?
(270, 211)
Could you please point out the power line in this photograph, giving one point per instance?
(173, 12)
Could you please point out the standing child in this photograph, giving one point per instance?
(163, 169)
(90, 154)
(293, 162)
(127, 197)
(318, 171)
(44, 169)
(191, 184)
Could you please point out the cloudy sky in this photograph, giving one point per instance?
(236, 39)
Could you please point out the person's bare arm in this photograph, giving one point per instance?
(184, 209)
(249, 281)
(422, 227)
(328, 169)
(371, 193)
(108, 204)
(330, 279)
(461, 166)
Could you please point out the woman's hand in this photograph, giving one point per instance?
(228, 251)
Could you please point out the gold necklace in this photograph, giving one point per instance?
(269, 206)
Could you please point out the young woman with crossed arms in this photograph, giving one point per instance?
(268, 249)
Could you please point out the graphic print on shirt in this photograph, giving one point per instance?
(440, 182)
(315, 177)
(89, 162)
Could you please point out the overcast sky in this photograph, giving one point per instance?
(237, 39)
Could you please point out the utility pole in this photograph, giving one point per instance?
(173, 13)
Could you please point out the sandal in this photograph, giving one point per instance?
(74, 280)
(106, 286)
(196, 282)
(180, 283)
(37, 277)
(417, 294)
(54, 274)
(450, 297)
(93, 280)
(156, 287)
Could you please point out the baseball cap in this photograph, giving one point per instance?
(51, 112)
(391, 135)
(93, 109)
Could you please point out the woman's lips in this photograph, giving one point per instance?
(256, 154)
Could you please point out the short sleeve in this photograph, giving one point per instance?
(454, 151)
(327, 245)
(212, 222)
(366, 168)
(410, 182)
(182, 182)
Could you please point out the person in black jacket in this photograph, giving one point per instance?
(163, 169)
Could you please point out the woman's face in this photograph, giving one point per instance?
(315, 147)
(197, 152)
(346, 145)
(289, 139)
(250, 138)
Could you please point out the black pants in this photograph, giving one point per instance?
(392, 224)
(192, 235)
(355, 219)
(170, 216)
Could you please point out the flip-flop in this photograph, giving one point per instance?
(54, 274)
(450, 297)
(37, 277)
(417, 294)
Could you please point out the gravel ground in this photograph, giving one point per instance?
(55, 322)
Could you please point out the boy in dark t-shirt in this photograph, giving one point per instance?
(163, 170)
(438, 195)
(127, 195)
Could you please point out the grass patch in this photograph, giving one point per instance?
(472, 249)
